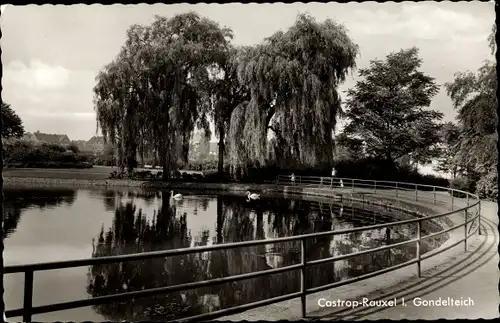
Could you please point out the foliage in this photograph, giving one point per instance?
(381, 169)
(21, 153)
(487, 186)
(387, 111)
(151, 96)
(202, 165)
(474, 98)
(462, 183)
(226, 94)
(12, 123)
(347, 148)
(74, 148)
(450, 134)
(292, 79)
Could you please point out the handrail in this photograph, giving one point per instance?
(28, 269)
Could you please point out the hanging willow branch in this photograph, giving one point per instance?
(149, 97)
(293, 79)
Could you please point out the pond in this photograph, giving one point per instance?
(59, 224)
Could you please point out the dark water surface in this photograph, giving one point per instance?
(60, 224)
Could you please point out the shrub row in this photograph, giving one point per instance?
(201, 166)
(369, 169)
(25, 154)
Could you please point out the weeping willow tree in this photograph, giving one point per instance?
(152, 96)
(474, 98)
(292, 78)
(226, 94)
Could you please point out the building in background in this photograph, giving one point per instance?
(39, 137)
(95, 145)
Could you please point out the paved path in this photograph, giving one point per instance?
(474, 275)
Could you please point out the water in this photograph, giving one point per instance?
(59, 224)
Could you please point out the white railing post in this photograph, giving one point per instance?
(375, 186)
(353, 184)
(396, 189)
(434, 191)
(321, 183)
(416, 192)
(331, 182)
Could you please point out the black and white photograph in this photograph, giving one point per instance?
(249, 161)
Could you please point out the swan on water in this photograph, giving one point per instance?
(253, 196)
(176, 196)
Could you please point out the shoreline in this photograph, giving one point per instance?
(288, 309)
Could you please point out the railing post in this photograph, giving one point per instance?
(321, 183)
(465, 231)
(303, 276)
(416, 192)
(352, 184)
(419, 237)
(331, 182)
(452, 200)
(479, 219)
(434, 191)
(28, 295)
(396, 189)
(375, 186)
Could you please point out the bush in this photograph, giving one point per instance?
(487, 186)
(369, 169)
(74, 148)
(201, 166)
(462, 184)
(26, 154)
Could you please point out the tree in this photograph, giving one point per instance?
(203, 148)
(12, 124)
(474, 98)
(227, 93)
(450, 134)
(152, 96)
(292, 79)
(386, 110)
(348, 148)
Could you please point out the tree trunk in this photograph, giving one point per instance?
(220, 165)
(164, 164)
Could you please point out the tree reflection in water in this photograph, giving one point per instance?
(237, 220)
(18, 199)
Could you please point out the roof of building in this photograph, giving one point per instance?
(51, 138)
(96, 140)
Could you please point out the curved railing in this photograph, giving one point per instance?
(342, 187)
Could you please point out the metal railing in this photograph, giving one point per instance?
(322, 185)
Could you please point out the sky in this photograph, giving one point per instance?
(52, 54)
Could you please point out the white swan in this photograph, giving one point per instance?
(176, 196)
(253, 196)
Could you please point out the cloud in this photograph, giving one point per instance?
(423, 21)
(37, 75)
(50, 96)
